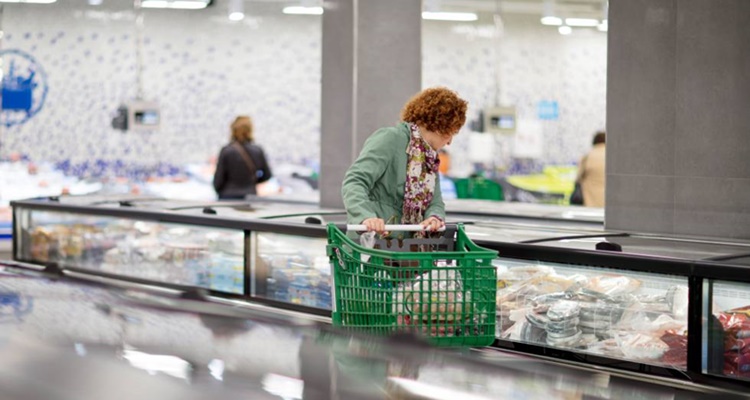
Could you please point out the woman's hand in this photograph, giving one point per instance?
(375, 224)
(433, 223)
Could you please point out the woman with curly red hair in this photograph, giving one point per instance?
(395, 177)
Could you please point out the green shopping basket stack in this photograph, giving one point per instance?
(441, 288)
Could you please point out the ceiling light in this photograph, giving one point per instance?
(581, 22)
(303, 10)
(179, 4)
(29, 1)
(565, 30)
(236, 10)
(449, 16)
(95, 2)
(554, 21)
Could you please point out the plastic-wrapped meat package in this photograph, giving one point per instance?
(736, 324)
(736, 364)
(641, 347)
(613, 285)
(676, 356)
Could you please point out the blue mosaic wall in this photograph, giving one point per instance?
(204, 70)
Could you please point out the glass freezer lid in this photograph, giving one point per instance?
(661, 247)
(522, 232)
(500, 208)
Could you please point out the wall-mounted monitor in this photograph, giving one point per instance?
(500, 120)
(143, 115)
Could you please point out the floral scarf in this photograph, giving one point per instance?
(421, 177)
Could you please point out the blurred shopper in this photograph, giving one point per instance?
(445, 161)
(592, 174)
(395, 177)
(241, 164)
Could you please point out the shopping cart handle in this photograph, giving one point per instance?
(403, 228)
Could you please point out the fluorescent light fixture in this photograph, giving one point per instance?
(581, 22)
(553, 21)
(300, 10)
(179, 4)
(604, 26)
(29, 1)
(236, 10)
(155, 4)
(565, 30)
(95, 2)
(449, 16)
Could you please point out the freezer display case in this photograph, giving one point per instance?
(72, 336)
(207, 257)
(625, 315)
(175, 243)
(639, 311)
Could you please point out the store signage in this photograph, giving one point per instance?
(548, 110)
(24, 87)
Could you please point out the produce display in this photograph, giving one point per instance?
(630, 316)
(187, 255)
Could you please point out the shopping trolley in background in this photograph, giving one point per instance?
(442, 288)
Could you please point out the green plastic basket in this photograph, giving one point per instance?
(443, 289)
(478, 187)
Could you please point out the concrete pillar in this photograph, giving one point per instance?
(678, 140)
(371, 67)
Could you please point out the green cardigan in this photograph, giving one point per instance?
(374, 184)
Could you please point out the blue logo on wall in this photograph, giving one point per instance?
(24, 87)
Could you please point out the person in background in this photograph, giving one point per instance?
(592, 174)
(241, 164)
(395, 177)
(445, 161)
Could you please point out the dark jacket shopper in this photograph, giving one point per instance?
(395, 178)
(241, 164)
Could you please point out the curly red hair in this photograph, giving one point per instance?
(437, 109)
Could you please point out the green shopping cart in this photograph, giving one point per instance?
(440, 288)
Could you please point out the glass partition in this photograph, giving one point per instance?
(291, 269)
(165, 252)
(632, 316)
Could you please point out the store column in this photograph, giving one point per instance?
(678, 89)
(371, 65)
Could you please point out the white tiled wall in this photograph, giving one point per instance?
(524, 64)
(204, 70)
